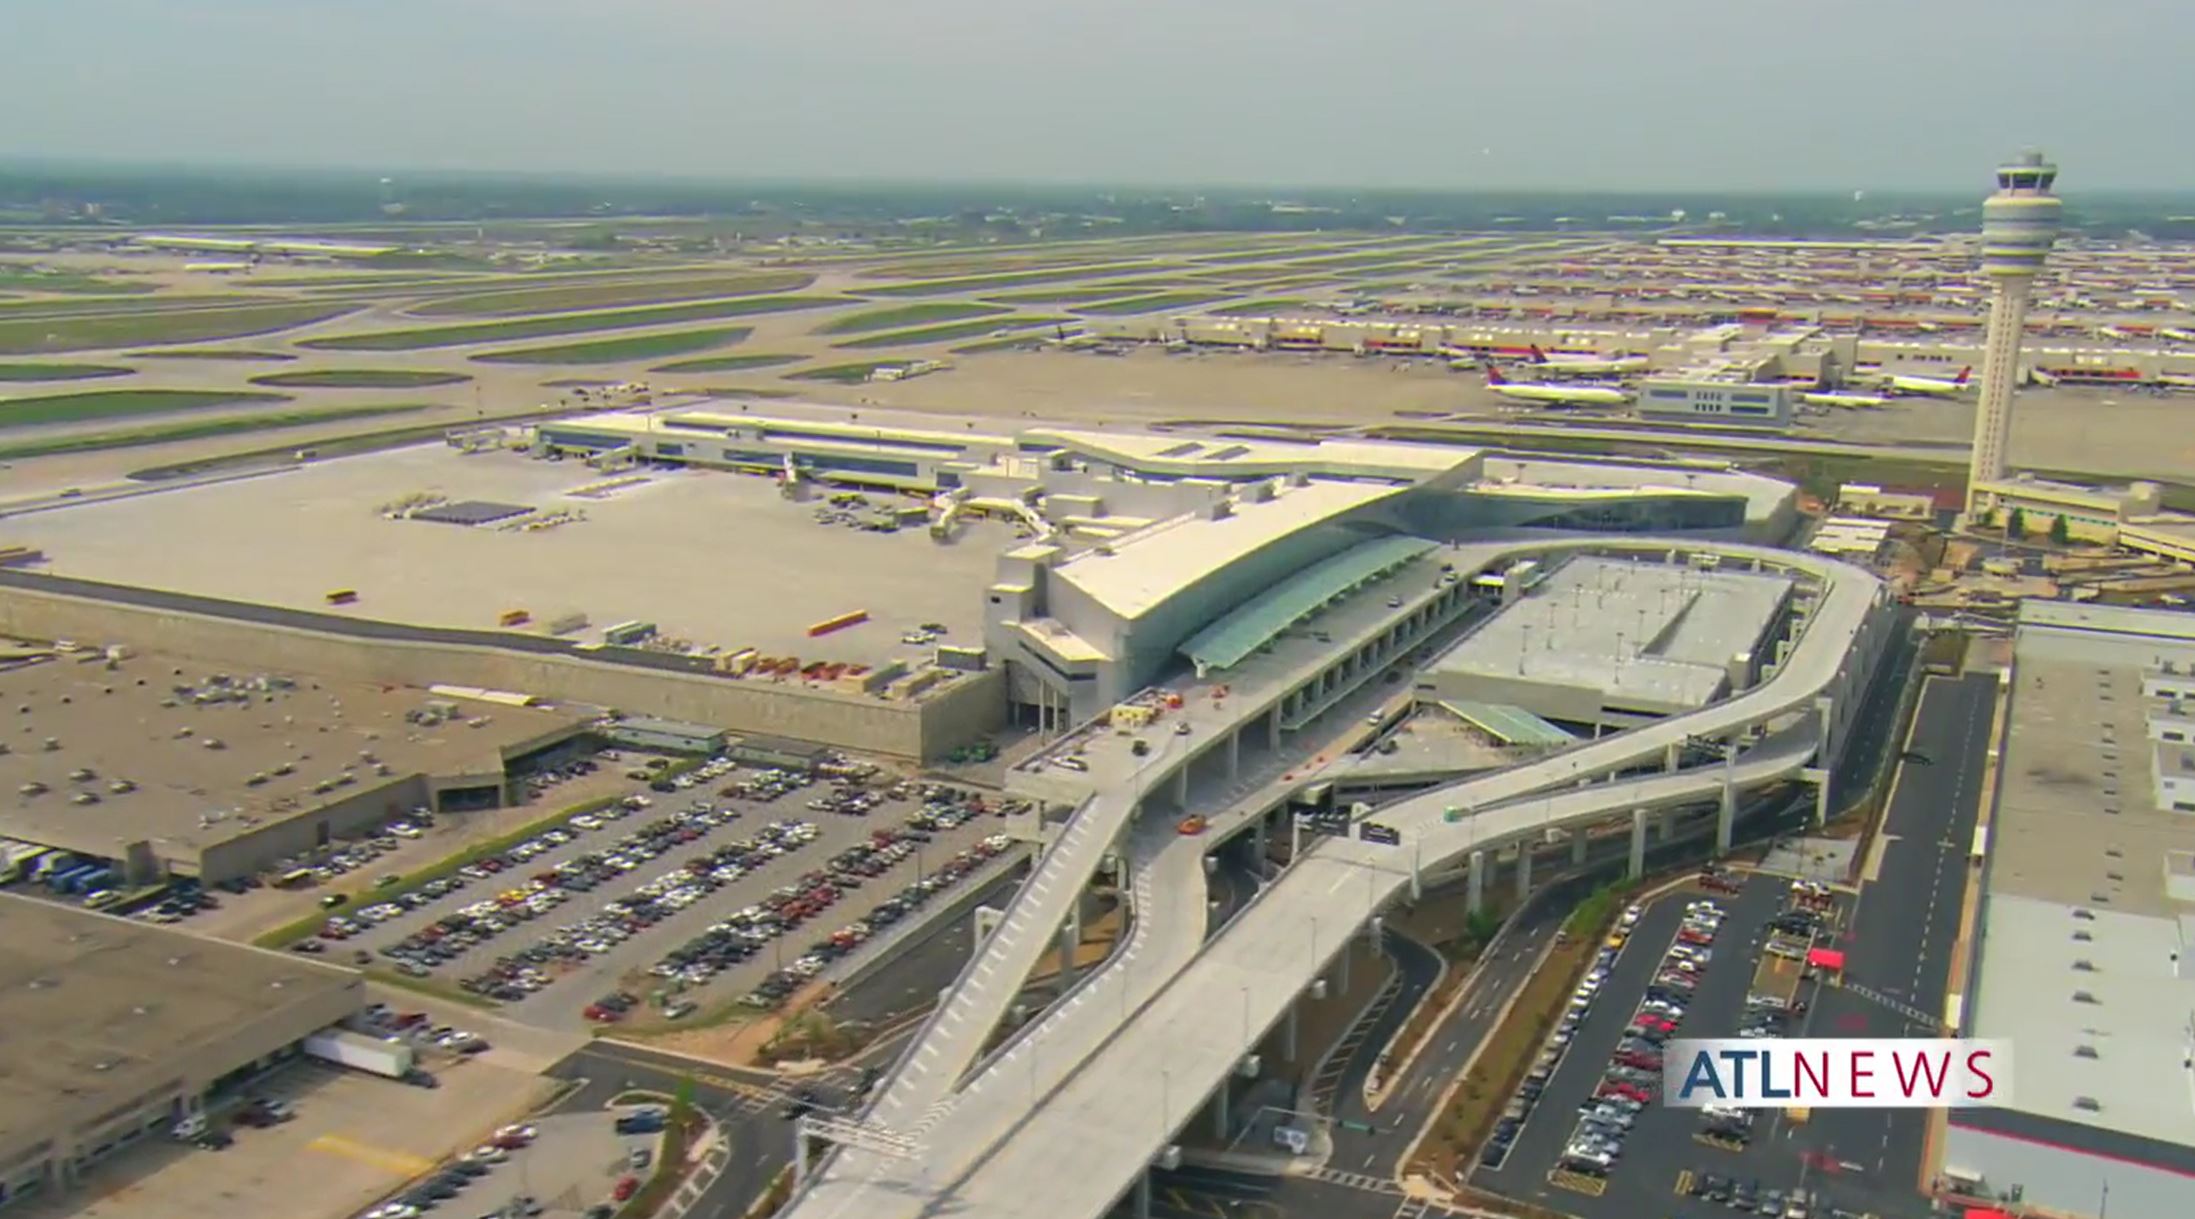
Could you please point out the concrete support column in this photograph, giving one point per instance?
(1638, 843)
(1221, 1124)
(1181, 786)
(1234, 755)
(1524, 871)
(1348, 949)
(1475, 891)
(1070, 938)
(1143, 1194)
(1272, 730)
(1578, 844)
(1257, 844)
(1726, 816)
(1665, 825)
(1825, 707)
(1671, 755)
(1821, 798)
(1288, 1033)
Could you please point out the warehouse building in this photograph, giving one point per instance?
(116, 1030)
(1613, 643)
(158, 767)
(2087, 936)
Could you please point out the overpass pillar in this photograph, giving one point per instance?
(1726, 816)
(1578, 845)
(1181, 786)
(1348, 949)
(1257, 844)
(1638, 843)
(1671, 755)
(1222, 1121)
(1665, 825)
(1272, 728)
(1524, 871)
(1475, 895)
(1234, 755)
(1288, 1033)
(1821, 797)
(1070, 938)
(1143, 1194)
(1825, 708)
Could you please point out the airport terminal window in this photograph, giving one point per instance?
(866, 465)
(1748, 410)
(1646, 516)
(670, 450)
(579, 440)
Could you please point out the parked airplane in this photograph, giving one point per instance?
(1857, 401)
(1929, 386)
(1585, 366)
(1556, 395)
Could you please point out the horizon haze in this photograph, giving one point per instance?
(1388, 94)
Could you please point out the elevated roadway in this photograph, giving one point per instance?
(1143, 1040)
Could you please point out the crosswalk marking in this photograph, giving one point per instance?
(1363, 1182)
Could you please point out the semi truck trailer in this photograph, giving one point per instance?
(390, 1059)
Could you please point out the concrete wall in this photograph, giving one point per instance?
(350, 818)
(844, 721)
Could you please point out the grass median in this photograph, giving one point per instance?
(681, 1129)
(291, 933)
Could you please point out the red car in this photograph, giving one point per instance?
(1644, 1062)
(599, 1014)
(1611, 1087)
(1660, 1024)
(1689, 936)
(625, 1187)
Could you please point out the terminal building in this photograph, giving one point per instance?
(118, 1029)
(157, 766)
(2086, 958)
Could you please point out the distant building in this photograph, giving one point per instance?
(662, 736)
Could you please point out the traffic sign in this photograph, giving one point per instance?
(1385, 835)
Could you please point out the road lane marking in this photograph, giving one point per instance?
(398, 1163)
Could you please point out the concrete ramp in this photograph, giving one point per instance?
(952, 1039)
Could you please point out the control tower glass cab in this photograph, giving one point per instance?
(2020, 221)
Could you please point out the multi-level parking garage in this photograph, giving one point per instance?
(1107, 1077)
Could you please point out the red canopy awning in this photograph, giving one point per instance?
(1825, 958)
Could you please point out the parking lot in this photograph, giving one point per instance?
(354, 1139)
(614, 902)
(1591, 1136)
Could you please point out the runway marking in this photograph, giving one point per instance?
(398, 1163)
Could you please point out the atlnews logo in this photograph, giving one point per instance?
(1838, 1073)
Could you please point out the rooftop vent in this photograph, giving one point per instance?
(2084, 1051)
(2079, 913)
(2082, 937)
(2088, 1103)
(2082, 996)
(2085, 966)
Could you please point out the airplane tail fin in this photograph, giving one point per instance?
(1538, 356)
(1964, 373)
(1494, 377)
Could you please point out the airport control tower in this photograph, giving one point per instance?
(2019, 223)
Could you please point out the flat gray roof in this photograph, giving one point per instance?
(101, 1010)
(193, 746)
(2087, 962)
(1640, 632)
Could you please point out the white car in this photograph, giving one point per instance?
(405, 829)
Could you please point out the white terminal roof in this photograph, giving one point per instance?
(1640, 632)
(1245, 457)
(2088, 960)
(1141, 570)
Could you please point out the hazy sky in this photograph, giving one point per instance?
(1839, 94)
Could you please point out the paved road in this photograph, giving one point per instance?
(1899, 944)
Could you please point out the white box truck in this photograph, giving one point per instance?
(392, 1059)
